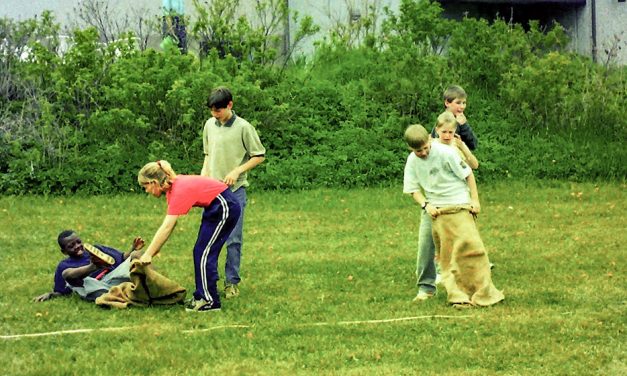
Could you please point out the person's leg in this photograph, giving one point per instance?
(93, 288)
(218, 221)
(425, 268)
(234, 248)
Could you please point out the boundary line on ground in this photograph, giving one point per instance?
(70, 331)
(234, 326)
(188, 331)
(384, 321)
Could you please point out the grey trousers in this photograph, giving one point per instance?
(425, 264)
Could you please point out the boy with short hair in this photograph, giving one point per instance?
(72, 272)
(426, 268)
(445, 188)
(232, 148)
(455, 102)
(445, 127)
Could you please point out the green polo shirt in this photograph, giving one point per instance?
(229, 146)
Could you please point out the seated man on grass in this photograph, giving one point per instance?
(86, 274)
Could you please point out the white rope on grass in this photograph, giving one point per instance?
(385, 320)
(62, 332)
(214, 328)
(234, 326)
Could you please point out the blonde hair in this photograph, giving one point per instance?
(416, 136)
(454, 92)
(446, 118)
(160, 172)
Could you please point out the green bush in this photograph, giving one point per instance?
(566, 95)
(87, 120)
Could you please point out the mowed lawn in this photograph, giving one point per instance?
(328, 279)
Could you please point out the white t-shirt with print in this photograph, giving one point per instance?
(441, 176)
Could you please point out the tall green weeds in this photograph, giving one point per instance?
(88, 119)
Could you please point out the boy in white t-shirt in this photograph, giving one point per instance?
(445, 188)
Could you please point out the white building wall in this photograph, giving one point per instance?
(611, 29)
(611, 16)
(611, 20)
(63, 9)
(327, 14)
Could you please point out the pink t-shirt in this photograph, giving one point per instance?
(192, 190)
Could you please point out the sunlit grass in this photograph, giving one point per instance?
(331, 257)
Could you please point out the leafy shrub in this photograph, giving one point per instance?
(567, 95)
(86, 121)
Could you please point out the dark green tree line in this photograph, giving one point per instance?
(86, 119)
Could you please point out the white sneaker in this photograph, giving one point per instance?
(231, 291)
(423, 295)
(438, 279)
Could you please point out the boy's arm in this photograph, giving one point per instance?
(255, 150)
(474, 194)
(253, 162)
(205, 166)
(71, 274)
(47, 296)
(205, 149)
(80, 272)
(467, 135)
(138, 243)
(424, 204)
(470, 157)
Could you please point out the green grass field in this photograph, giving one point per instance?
(328, 276)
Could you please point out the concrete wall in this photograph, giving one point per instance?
(326, 13)
(63, 9)
(611, 30)
(611, 20)
(611, 17)
(329, 13)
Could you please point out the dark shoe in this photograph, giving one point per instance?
(201, 305)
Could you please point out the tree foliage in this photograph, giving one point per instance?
(86, 120)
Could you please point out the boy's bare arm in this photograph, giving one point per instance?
(205, 150)
(205, 166)
(46, 296)
(253, 162)
(461, 119)
(470, 157)
(138, 243)
(422, 201)
(80, 272)
(419, 198)
(474, 194)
